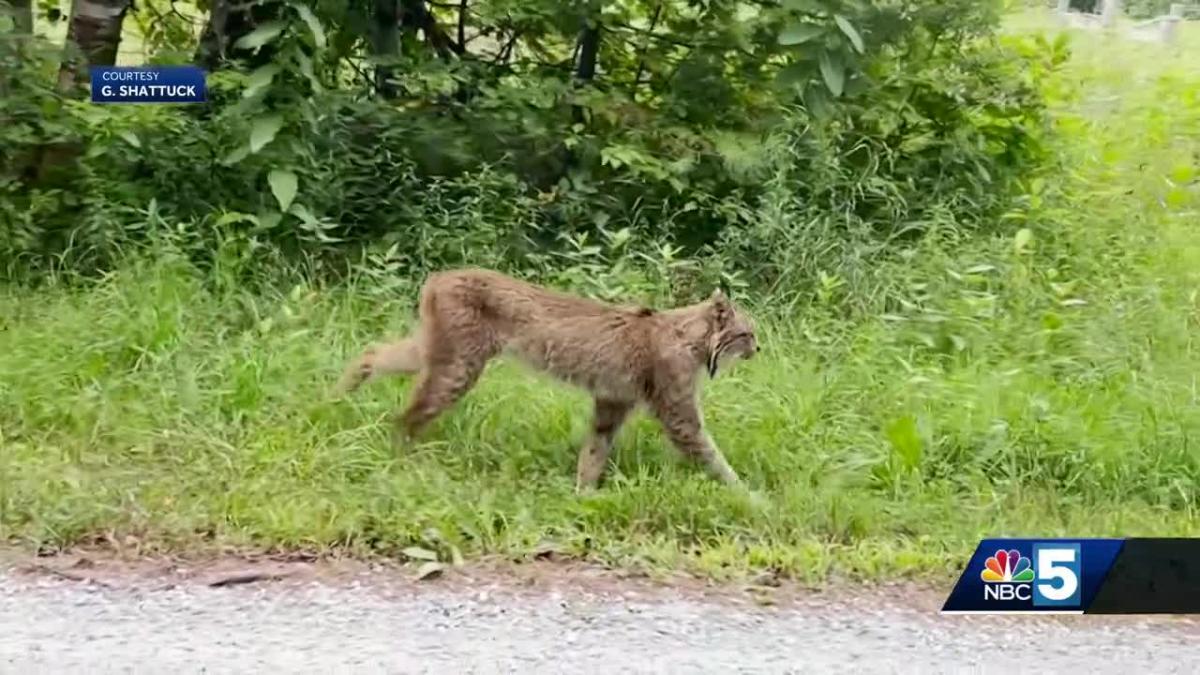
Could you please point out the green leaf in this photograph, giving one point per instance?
(1062, 42)
(302, 212)
(917, 143)
(906, 443)
(306, 69)
(799, 33)
(833, 72)
(313, 25)
(1023, 239)
(1176, 197)
(283, 186)
(236, 217)
(418, 553)
(817, 101)
(794, 73)
(268, 221)
(430, 570)
(259, 79)
(855, 85)
(802, 5)
(1183, 173)
(130, 138)
(261, 35)
(235, 156)
(263, 131)
(850, 31)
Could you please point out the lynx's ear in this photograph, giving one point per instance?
(722, 311)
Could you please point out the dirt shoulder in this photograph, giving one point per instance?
(249, 614)
(540, 577)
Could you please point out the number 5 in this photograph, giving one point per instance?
(1057, 574)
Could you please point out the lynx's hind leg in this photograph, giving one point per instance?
(607, 419)
(458, 346)
(440, 387)
(392, 358)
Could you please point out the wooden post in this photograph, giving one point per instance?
(1062, 11)
(1168, 25)
(1112, 10)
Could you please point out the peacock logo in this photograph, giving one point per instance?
(1007, 567)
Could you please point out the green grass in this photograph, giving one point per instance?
(1040, 390)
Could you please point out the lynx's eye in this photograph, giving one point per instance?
(745, 342)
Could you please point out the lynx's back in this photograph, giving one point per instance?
(593, 344)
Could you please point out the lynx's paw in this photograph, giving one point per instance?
(358, 372)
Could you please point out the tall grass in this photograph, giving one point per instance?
(1036, 385)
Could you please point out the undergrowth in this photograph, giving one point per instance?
(1039, 384)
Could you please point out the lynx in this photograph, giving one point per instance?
(625, 356)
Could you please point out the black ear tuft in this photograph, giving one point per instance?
(722, 310)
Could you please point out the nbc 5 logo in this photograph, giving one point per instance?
(1051, 579)
(1059, 572)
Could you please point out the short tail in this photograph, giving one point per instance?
(392, 358)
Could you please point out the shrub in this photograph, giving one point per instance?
(862, 124)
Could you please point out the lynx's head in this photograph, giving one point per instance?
(732, 335)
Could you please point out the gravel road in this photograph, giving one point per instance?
(53, 625)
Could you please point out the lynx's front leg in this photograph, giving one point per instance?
(593, 457)
(680, 417)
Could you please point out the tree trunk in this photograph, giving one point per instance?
(228, 21)
(392, 19)
(385, 42)
(585, 70)
(210, 51)
(22, 14)
(587, 49)
(415, 15)
(95, 29)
